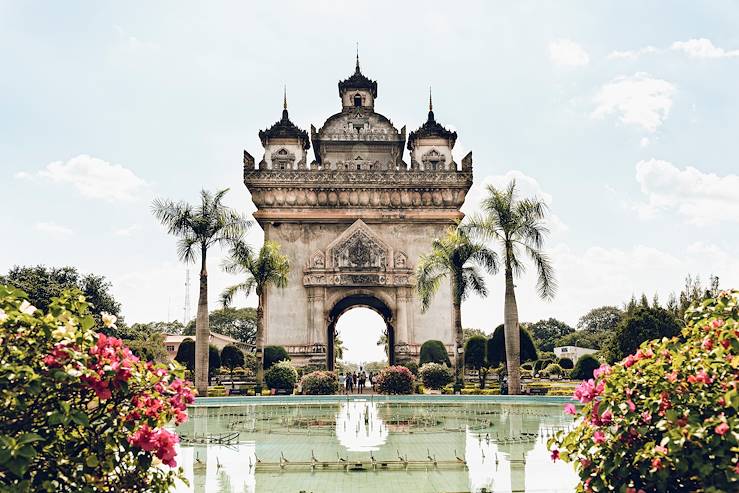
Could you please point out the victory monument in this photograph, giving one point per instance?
(353, 222)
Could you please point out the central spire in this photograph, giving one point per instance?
(356, 70)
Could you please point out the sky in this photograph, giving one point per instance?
(621, 115)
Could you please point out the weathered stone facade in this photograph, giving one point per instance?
(354, 222)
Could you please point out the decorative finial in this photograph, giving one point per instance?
(431, 104)
(284, 97)
(357, 69)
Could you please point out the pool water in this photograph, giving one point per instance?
(436, 444)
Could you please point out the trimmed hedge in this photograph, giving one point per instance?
(274, 354)
(435, 376)
(281, 376)
(584, 367)
(566, 363)
(320, 383)
(395, 380)
(434, 351)
(496, 346)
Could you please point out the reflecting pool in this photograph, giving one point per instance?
(388, 444)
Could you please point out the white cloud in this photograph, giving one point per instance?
(702, 198)
(694, 48)
(702, 48)
(568, 53)
(526, 186)
(644, 142)
(128, 231)
(638, 100)
(632, 54)
(52, 228)
(93, 178)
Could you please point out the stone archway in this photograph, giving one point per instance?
(352, 300)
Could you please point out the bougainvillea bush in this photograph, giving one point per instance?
(395, 380)
(78, 411)
(320, 383)
(664, 418)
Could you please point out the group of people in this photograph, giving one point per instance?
(356, 382)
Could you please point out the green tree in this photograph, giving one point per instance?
(198, 228)
(145, 340)
(584, 367)
(433, 351)
(214, 361)
(274, 354)
(232, 357)
(266, 268)
(42, 283)
(582, 338)
(643, 324)
(468, 333)
(186, 354)
(547, 332)
(517, 227)
(237, 323)
(497, 352)
(475, 356)
(457, 258)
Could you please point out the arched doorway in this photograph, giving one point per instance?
(346, 304)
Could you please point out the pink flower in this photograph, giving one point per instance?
(656, 463)
(588, 390)
(700, 377)
(672, 377)
(660, 449)
(599, 437)
(555, 454)
(570, 409)
(630, 360)
(603, 370)
(607, 417)
(707, 343)
(632, 406)
(721, 428)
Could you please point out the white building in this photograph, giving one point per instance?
(572, 352)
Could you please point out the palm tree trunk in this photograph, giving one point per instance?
(458, 336)
(202, 332)
(512, 336)
(260, 345)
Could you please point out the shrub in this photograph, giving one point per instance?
(281, 376)
(320, 383)
(542, 363)
(553, 369)
(435, 376)
(669, 411)
(527, 366)
(250, 362)
(475, 357)
(584, 367)
(496, 346)
(80, 412)
(274, 354)
(395, 380)
(566, 363)
(412, 366)
(434, 351)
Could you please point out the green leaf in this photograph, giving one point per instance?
(91, 461)
(29, 438)
(80, 417)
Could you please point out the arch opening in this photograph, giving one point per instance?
(367, 320)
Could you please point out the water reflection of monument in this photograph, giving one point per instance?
(504, 446)
(359, 427)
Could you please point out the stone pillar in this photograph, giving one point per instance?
(318, 334)
(401, 315)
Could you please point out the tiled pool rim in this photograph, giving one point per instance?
(328, 399)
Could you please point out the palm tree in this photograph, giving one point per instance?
(198, 228)
(457, 257)
(517, 227)
(266, 268)
(338, 346)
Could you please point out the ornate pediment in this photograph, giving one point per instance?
(359, 248)
(358, 257)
